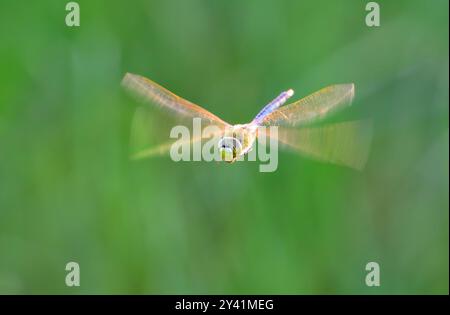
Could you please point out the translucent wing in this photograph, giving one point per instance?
(153, 93)
(150, 132)
(164, 148)
(313, 107)
(158, 149)
(345, 143)
(151, 135)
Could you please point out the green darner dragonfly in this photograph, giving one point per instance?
(345, 143)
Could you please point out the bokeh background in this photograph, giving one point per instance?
(68, 191)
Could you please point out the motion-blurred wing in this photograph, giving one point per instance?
(153, 93)
(313, 107)
(150, 134)
(164, 148)
(345, 143)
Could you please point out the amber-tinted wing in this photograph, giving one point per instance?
(153, 93)
(345, 143)
(153, 135)
(313, 107)
(150, 132)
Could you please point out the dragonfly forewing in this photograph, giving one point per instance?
(312, 108)
(150, 92)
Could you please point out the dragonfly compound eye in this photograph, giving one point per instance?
(229, 148)
(227, 154)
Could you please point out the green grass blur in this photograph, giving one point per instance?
(68, 191)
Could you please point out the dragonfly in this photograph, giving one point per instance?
(343, 143)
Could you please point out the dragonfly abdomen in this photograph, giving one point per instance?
(277, 102)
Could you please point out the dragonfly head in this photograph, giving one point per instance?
(229, 148)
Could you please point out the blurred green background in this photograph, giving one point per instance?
(68, 191)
